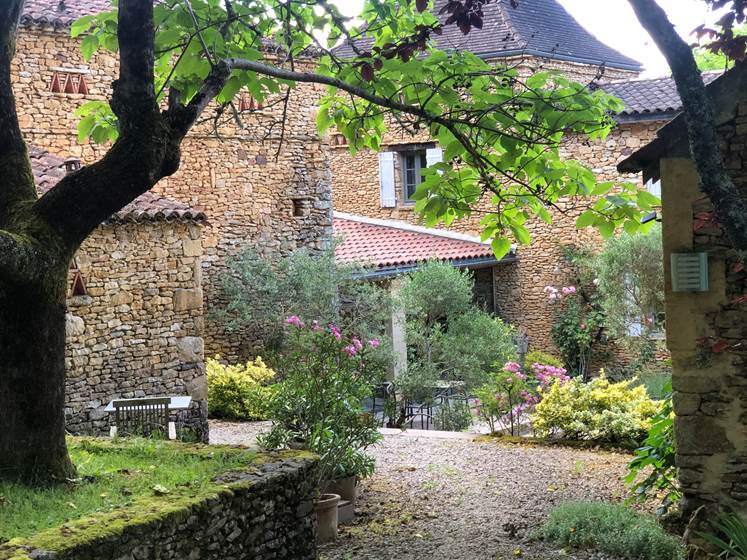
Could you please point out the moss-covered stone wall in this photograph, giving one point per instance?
(265, 512)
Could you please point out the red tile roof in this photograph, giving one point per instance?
(61, 13)
(388, 243)
(149, 207)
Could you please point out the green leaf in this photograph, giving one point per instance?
(607, 229)
(501, 247)
(586, 219)
(81, 26)
(88, 46)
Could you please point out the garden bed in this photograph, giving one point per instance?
(165, 500)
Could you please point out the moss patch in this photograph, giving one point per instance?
(544, 442)
(122, 483)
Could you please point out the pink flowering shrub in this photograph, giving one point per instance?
(512, 395)
(326, 375)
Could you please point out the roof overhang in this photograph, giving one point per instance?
(562, 57)
(383, 273)
(727, 92)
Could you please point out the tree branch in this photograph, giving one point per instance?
(17, 182)
(727, 200)
(148, 147)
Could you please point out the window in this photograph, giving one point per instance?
(412, 162)
(654, 187)
(412, 165)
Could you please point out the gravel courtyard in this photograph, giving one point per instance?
(461, 499)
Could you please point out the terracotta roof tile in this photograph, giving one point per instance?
(388, 243)
(651, 97)
(61, 13)
(149, 207)
(535, 27)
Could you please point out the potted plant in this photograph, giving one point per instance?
(326, 375)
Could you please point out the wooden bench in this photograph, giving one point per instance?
(143, 417)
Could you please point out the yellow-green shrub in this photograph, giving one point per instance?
(241, 391)
(598, 411)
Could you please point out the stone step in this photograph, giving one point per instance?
(345, 511)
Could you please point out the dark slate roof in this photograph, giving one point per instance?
(655, 98)
(149, 207)
(60, 13)
(536, 27)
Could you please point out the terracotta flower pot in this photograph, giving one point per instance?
(326, 517)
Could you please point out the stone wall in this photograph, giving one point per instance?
(519, 296)
(707, 335)
(263, 514)
(256, 191)
(137, 332)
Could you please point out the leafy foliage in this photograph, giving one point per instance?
(501, 132)
(598, 410)
(502, 402)
(578, 317)
(730, 537)
(449, 337)
(630, 273)
(262, 291)
(653, 471)
(319, 404)
(612, 529)
(239, 392)
(542, 358)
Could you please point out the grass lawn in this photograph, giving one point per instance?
(111, 475)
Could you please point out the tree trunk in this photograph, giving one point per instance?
(32, 392)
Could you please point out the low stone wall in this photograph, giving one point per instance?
(266, 513)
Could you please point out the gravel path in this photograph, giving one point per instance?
(458, 499)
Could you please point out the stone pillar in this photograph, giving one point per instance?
(397, 333)
(710, 434)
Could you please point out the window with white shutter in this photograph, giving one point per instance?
(654, 187)
(386, 180)
(434, 155)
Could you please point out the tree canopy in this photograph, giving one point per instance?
(500, 129)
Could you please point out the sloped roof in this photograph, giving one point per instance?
(728, 92)
(390, 243)
(536, 27)
(49, 169)
(60, 13)
(654, 98)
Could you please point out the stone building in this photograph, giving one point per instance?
(705, 285)
(135, 312)
(538, 35)
(149, 278)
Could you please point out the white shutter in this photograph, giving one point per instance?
(386, 180)
(434, 155)
(654, 187)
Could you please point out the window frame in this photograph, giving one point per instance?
(421, 162)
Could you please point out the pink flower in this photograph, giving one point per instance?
(374, 343)
(350, 350)
(295, 320)
(569, 290)
(358, 344)
(335, 330)
(512, 367)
